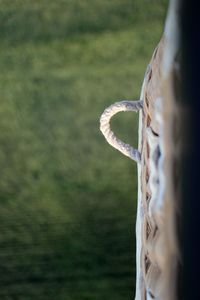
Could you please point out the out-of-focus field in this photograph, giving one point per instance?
(67, 199)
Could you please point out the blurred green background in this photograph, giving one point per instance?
(67, 199)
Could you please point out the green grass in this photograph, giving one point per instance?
(67, 199)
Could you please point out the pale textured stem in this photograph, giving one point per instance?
(108, 113)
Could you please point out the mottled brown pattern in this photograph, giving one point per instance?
(152, 91)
